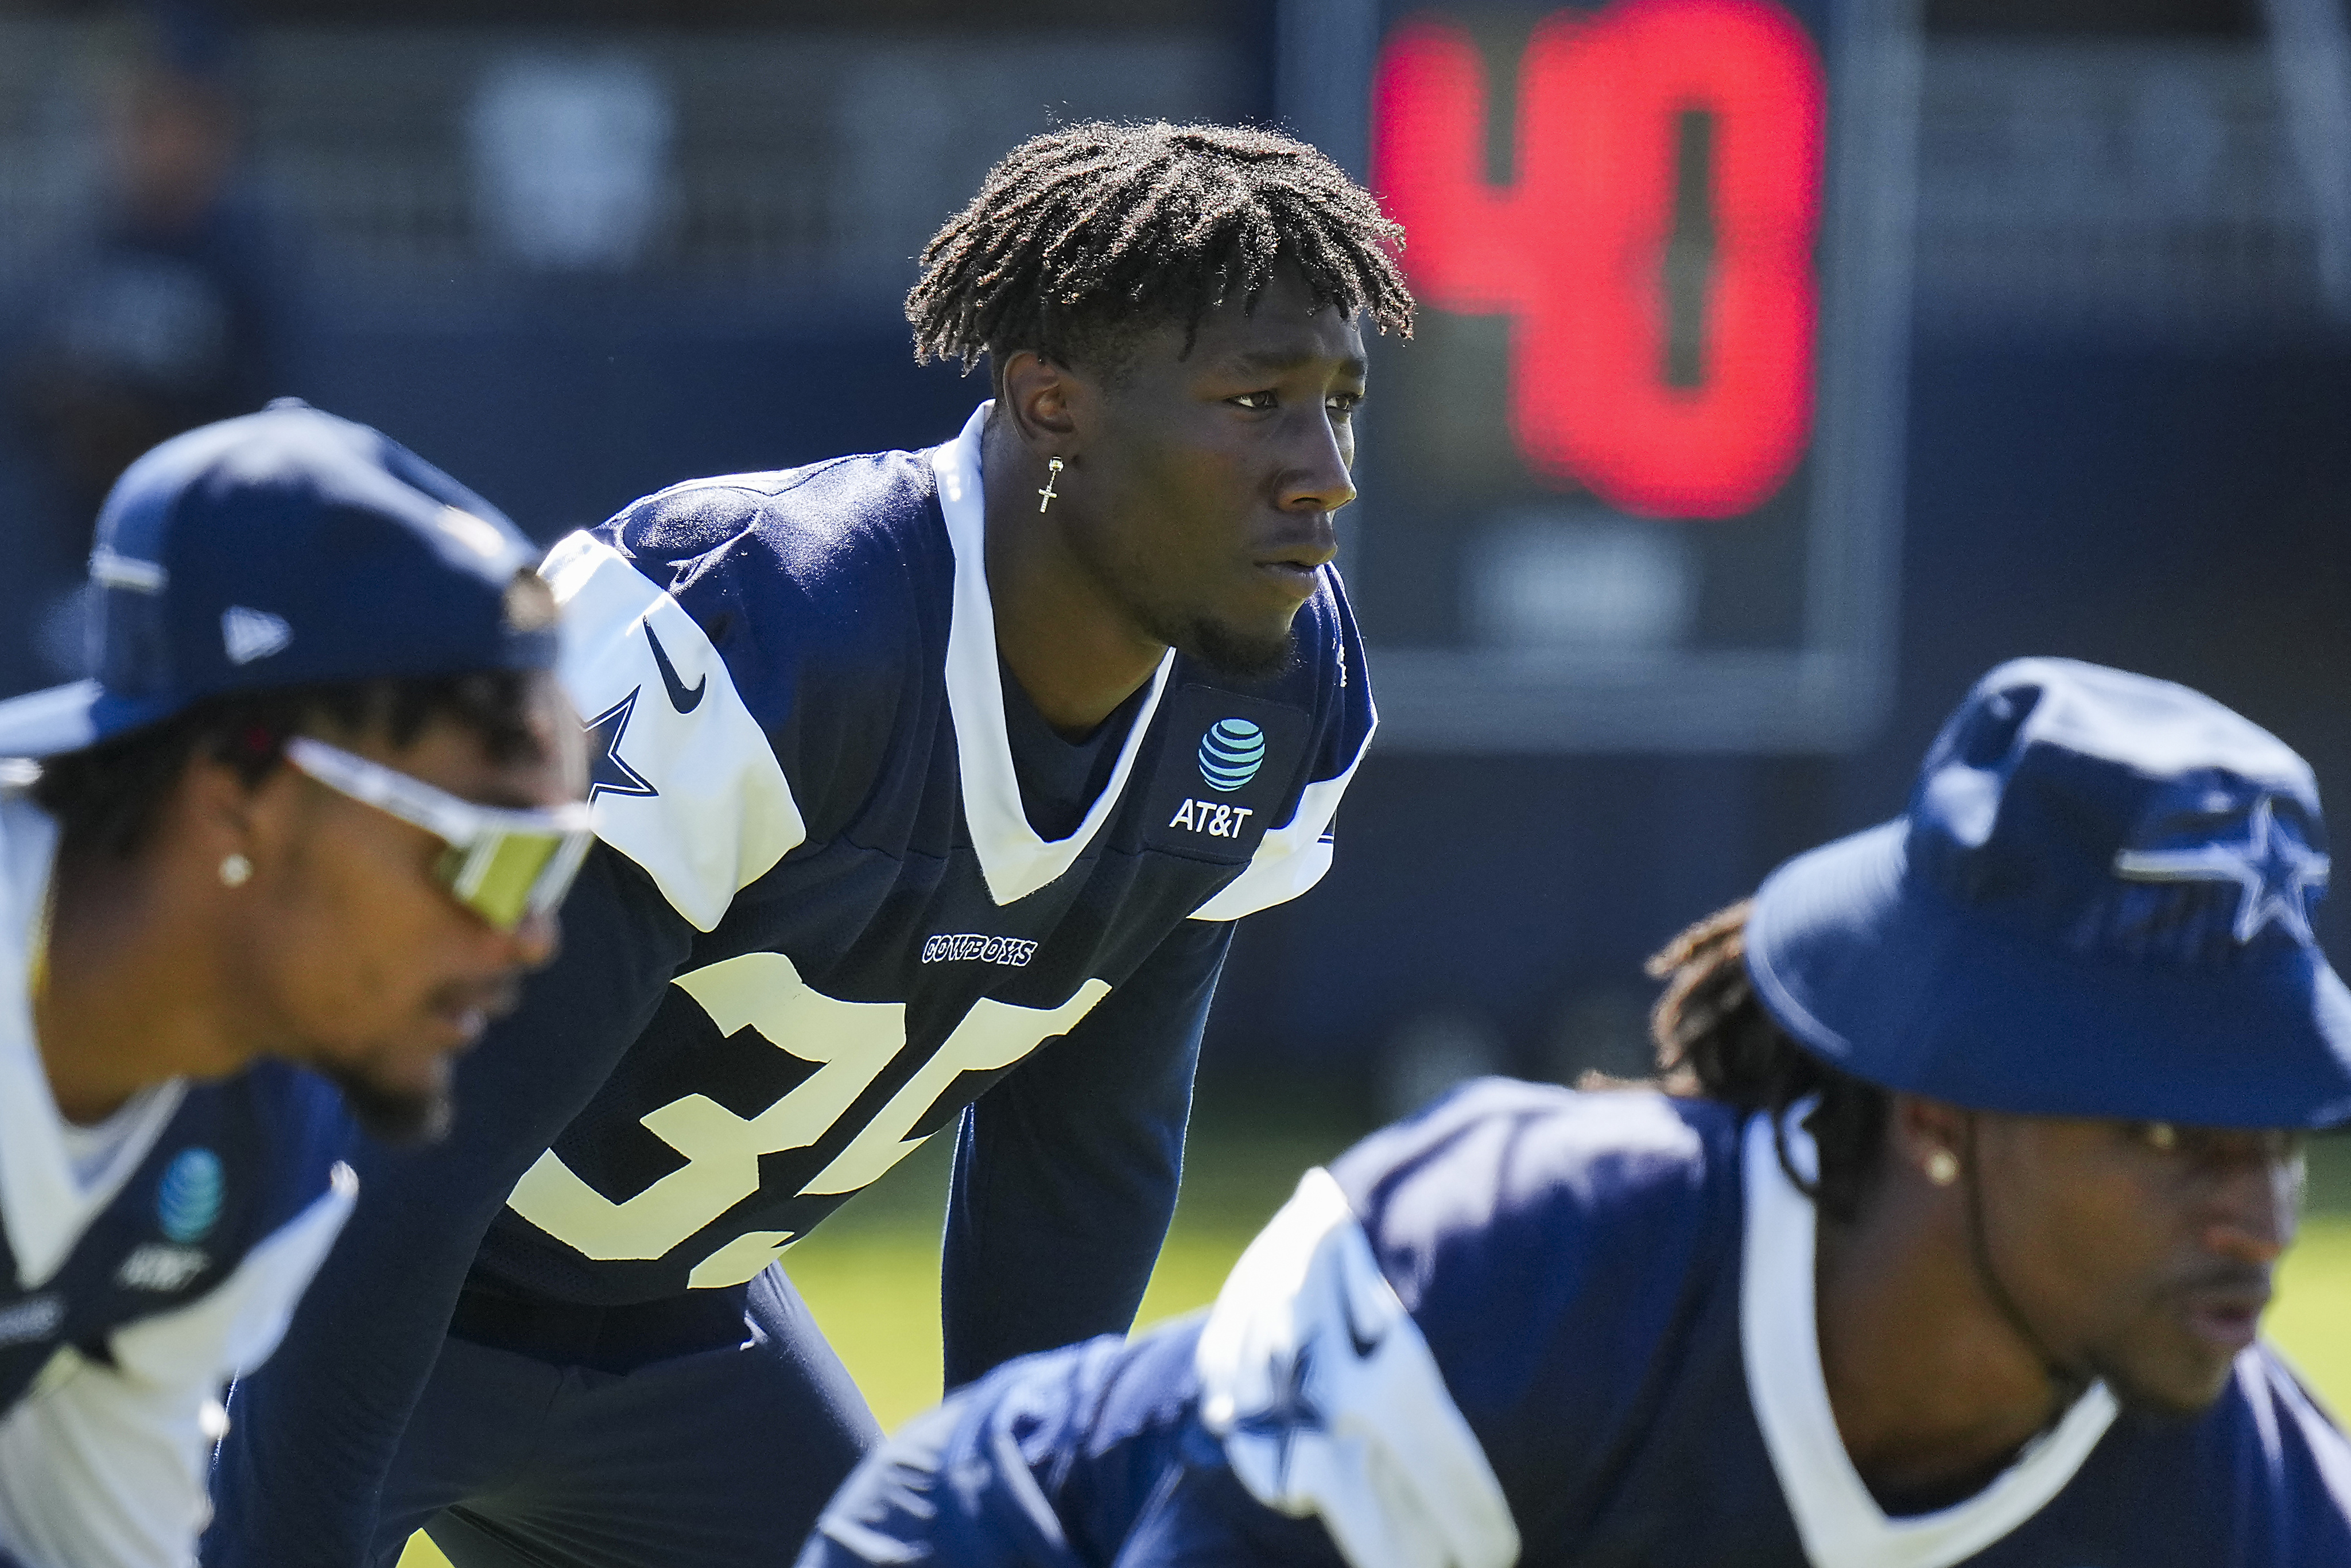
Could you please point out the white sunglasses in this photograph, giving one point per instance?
(503, 864)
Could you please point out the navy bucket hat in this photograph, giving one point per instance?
(282, 548)
(2097, 904)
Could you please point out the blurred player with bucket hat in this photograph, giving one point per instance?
(1948, 1244)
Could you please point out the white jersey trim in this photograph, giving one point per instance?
(1013, 860)
(723, 812)
(104, 1466)
(1839, 1523)
(44, 1204)
(1330, 1404)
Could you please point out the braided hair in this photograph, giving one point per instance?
(1714, 1038)
(1085, 237)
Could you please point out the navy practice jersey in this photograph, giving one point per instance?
(800, 735)
(824, 925)
(136, 1279)
(1547, 1328)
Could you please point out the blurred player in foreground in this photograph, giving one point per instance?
(931, 784)
(1951, 1248)
(315, 812)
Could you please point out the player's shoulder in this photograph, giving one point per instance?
(1500, 1167)
(1520, 1223)
(782, 511)
(798, 582)
(286, 1128)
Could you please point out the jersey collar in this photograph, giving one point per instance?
(1839, 1523)
(1015, 861)
(45, 1210)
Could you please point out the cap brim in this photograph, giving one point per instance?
(1892, 982)
(67, 718)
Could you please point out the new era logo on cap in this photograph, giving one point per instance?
(251, 634)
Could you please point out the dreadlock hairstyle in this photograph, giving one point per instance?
(1714, 1038)
(1083, 237)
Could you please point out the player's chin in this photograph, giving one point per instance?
(1248, 650)
(2179, 1379)
(397, 1102)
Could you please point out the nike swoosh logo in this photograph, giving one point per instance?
(1365, 1344)
(684, 699)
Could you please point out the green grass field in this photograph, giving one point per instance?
(871, 1275)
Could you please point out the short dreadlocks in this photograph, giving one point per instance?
(1714, 1038)
(1086, 236)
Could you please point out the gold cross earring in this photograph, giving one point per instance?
(1051, 479)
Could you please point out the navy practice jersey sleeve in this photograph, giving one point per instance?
(1066, 1173)
(312, 1433)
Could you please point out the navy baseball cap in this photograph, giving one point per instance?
(2097, 904)
(283, 549)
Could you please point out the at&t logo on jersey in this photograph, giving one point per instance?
(1230, 754)
(1212, 818)
(188, 1199)
(1232, 751)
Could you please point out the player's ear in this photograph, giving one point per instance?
(1044, 401)
(1926, 1137)
(215, 813)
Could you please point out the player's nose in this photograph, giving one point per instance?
(536, 939)
(2255, 1212)
(1315, 475)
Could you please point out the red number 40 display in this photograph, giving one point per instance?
(1703, 420)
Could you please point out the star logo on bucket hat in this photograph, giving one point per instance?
(2273, 872)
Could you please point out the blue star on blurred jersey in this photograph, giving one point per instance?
(1291, 1413)
(607, 774)
(2273, 871)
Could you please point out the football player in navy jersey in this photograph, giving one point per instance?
(930, 784)
(315, 812)
(1948, 1244)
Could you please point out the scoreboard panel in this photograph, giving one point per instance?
(1634, 484)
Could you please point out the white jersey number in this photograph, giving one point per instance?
(855, 1041)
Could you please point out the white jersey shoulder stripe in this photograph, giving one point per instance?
(1330, 1404)
(709, 810)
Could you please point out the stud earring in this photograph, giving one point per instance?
(1052, 479)
(1942, 1167)
(235, 871)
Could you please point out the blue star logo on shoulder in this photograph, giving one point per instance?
(608, 772)
(2097, 904)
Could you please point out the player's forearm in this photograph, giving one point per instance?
(1066, 1173)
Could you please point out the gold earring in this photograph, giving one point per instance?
(235, 871)
(1942, 1167)
(1051, 478)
